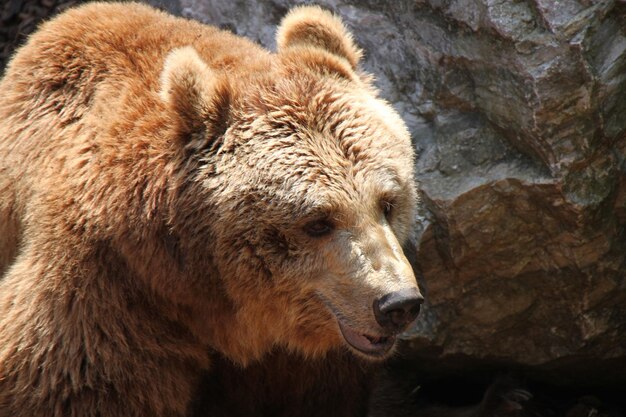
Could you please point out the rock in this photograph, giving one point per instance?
(523, 260)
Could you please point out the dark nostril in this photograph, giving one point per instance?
(394, 311)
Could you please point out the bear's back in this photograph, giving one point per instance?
(123, 44)
(82, 76)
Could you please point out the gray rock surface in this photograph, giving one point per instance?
(518, 114)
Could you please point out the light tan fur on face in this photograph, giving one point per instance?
(346, 157)
(156, 176)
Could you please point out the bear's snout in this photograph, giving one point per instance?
(396, 310)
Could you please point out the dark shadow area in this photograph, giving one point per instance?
(19, 18)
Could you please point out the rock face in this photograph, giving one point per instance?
(517, 109)
(518, 113)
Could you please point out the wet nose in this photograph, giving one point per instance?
(394, 311)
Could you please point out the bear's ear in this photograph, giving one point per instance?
(314, 27)
(198, 96)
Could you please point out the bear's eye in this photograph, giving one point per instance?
(386, 206)
(319, 228)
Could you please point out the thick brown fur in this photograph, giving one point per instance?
(283, 385)
(158, 178)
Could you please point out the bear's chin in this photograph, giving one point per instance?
(371, 347)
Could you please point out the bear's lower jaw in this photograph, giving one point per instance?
(374, 347)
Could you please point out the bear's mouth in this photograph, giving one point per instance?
(369, 345)
(372, 346)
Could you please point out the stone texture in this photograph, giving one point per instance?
(518, 114)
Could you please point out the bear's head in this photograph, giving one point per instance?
(303, 183)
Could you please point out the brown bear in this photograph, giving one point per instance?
(171, 194)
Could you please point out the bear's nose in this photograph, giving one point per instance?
(394, 311)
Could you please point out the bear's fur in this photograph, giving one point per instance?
(171, 193)
(285, 385)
